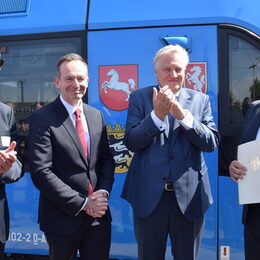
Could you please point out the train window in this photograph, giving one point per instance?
(26, 78)
(243, 76)
(239, 85)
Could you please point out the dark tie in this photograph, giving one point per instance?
(171, 120)
(82, 137)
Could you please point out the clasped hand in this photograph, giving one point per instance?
(97, 204)
(7, 158)
(164, 102)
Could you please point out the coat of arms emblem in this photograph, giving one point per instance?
(196, 76)
(116, 83)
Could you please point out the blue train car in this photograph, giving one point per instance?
(118, 39)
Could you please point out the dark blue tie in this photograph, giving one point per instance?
(171, 120)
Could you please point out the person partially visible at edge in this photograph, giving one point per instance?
(72, 166)
(251, 212)
(169, 128)
(10, 167)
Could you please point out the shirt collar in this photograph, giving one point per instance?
(71, 109)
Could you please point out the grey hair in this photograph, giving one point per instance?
(171, 49)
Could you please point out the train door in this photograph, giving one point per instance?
(239, 85)
(126, 56)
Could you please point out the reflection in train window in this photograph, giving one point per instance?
(26, 78)
(244, 76)
(239, 77)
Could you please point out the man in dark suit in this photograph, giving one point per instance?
(74, 176)
(251, 212)
(168, 128)
(10, 167)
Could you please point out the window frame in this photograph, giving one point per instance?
(223, 94)
(226, 128)
(82, 35)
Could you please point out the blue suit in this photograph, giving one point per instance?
(251, 212)
(178, 158)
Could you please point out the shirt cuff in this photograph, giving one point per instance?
(158, 122)
(84, 204)
(187, 121)
(106, 192)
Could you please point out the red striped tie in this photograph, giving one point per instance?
(82, 137)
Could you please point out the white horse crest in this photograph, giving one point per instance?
(196, 78)
(115, 84)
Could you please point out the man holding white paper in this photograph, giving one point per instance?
(251, 212)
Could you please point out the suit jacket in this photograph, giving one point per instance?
(251, 126)
(7, 129)
(59, 168)
(178, 158)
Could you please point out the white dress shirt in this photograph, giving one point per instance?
(71, 109)
(186, 122)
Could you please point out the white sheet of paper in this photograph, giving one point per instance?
(249, 187)
(5, 141)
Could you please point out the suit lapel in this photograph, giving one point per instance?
(91, 127)
(184, 100)
(65, 120)
(92, 130)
